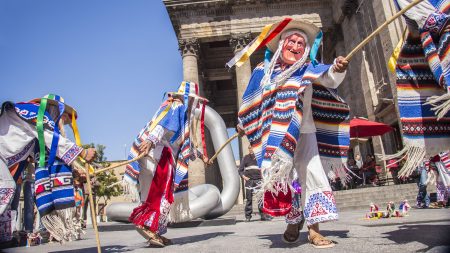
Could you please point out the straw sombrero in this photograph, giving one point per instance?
(188, 89)
(55, 100)
(310, 29)
(270, 37)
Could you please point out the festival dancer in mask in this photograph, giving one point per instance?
(294, 118)
(169, 141)
(33, 129)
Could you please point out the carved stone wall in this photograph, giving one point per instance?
(212, 31)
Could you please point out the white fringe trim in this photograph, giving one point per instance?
(441, 104)
(278, 178)
(59, 223)
(180, 210)
(130, 190)
(414, 156)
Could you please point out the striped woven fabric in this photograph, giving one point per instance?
(54, 188)
(423, 134)
(445, 159)
(272, 118)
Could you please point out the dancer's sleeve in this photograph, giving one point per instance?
(66, 150)
(419, 12)
(156, 134)
(330, 78)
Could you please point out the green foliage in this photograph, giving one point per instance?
(104, 189)
(103, 181)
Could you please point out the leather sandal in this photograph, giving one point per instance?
(153, 238)
(285, 238)
(317, 238)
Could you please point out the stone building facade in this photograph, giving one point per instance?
(211, 32)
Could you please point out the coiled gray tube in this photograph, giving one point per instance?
(227, 164)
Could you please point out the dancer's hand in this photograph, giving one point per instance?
(245, 178)
(207, 161)
(145, 147)
(341, 65)
(89, 154)
(240, 130)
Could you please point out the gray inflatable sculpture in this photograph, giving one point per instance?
(205, 201)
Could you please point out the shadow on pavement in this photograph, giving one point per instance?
(116, 227)
(279, 244)
(429, 235)
(112, 248)
(197, 238)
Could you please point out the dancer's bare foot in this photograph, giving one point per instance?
(317, 240)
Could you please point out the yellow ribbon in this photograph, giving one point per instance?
(255, 45)
(160, 116)
(76, 135)
(392, 64)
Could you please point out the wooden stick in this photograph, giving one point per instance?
(378, 30)
(223, 146)
(119, 164)
(91, 204)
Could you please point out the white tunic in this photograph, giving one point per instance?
(419, 12)
(329, 79)
(17, 138)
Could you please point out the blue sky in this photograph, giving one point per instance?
(112, 60)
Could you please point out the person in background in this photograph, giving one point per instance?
(368, 170)
(423, 199)
(251, 174)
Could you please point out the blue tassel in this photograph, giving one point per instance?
(315, 49)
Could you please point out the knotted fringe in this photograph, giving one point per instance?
(414, 156)
(277, 178)
(341, 173)
(179, 210)
(441, 104)
(431, 179)
(59, 224)
(77, 225)
(130, 190)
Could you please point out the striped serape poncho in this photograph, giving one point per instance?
(423, 74)
(271, 118)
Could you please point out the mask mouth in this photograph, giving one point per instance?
(294, 52)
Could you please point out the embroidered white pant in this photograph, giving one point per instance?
(7, 186)
(317, 198)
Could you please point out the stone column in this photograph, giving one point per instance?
(189, 52)
(243, 74)
(189, 49)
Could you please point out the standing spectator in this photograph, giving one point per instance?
(94, 186)
(368, 170)
(251, 173)
(394, 167)
(423, 199)
(351, 165)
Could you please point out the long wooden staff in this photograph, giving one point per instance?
(91, 204)
(378, 30)
(119, 164)
(223, 146)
